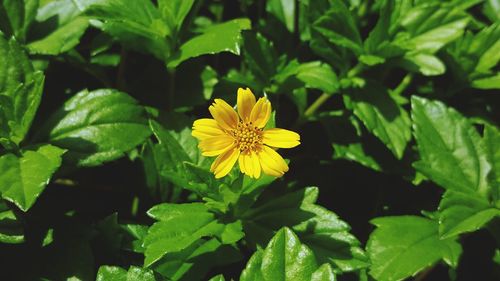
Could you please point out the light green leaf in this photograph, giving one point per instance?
(491, 141)
(454, 156)
(134, 273)
(460, 213)
(24, 178)
(451, 152)
(219, 277)
(97, 126)
(179, 226)
(402, 246)
(137, 24)
(428, 65)
(492, 82)
(382, 116)
(324, 273)
(318, 75)
(285, 258)
(59, 27)
(318, 228)
(356, 152)
(223, 37)
(174, 11)
(11, 230)
(284, 11)
(20, 91)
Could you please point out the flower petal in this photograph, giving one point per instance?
(213, 146)
(225, 162)
(224, 114)
(246, 101)
(250, 164)
(280, 138)
(205, 128)
(261, 112)
(272, 163)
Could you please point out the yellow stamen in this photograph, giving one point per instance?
(247, 137)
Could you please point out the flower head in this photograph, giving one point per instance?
(241, 137)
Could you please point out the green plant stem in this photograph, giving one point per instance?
(403, 85)
(324, 97)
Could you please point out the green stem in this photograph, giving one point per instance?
(403, 85)
(324, 97)
(316, 104)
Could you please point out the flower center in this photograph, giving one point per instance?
(247, 136)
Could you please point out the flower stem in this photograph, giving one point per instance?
(403, 85)
(324, 97)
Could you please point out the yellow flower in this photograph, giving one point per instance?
(240, 137)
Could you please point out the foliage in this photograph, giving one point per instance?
(397, 175)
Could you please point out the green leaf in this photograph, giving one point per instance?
(11, 230)
(318, 228)
(451, 152)
(492, 82)
(137, 24)
(402, 246)
(20, 91)
(453, 155)
(338, 26)
(428, 65)
(284, 11)
(174, 11)
(284, 258)
(382, 116)
(134, 273)
(223, 37)
(69, 27)
(356, 152)
(260, 56)
(97, 126)
(324, 273)
(491, 141)
(24, 178)
(16, 17)
(179, 226)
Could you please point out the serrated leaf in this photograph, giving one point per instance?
(285, 258)
(382, 116)
(338, 26)
(59, 27)
(319, 228)
(223, 37)
(134, 273)
(97, 127)
(402, 246)
(454, 156)
(179, 226)
(137, 24)
(20, 91)
(260, 56)
(24, 178)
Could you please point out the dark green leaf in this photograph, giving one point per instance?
(382, 116)
(137, 24)
(11, 230)
(24, 178)
(174, 11)
(223, 37)
(134, 273)
(97, 126)
(402, 246)
(16, 17)
(284, 11)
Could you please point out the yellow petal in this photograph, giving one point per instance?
(246, 101)
(250, 164)
(205, 128)
(261, 112)
(213, 146)
(272, 163)
(280, 138)
(225, 162)
(224, 114)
